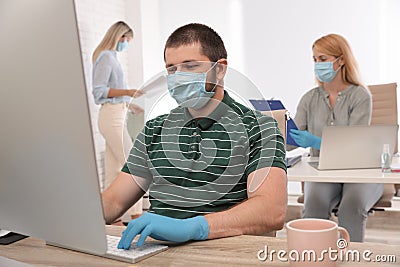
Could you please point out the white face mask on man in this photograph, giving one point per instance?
(189, 88)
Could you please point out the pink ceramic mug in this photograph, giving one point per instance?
(315, 242)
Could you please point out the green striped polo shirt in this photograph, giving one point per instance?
(200, 166)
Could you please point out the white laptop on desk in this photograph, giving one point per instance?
(49, 185)
(354, 147)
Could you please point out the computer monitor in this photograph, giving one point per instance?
(49, 185)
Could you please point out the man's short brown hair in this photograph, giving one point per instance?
(211, 43)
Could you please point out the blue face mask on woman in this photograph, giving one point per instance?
(324, 71)
(122, 46)
(189, 88)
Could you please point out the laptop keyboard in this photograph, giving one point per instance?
(134, 254)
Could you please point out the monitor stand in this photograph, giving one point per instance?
(7, 237)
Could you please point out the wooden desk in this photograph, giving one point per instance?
(302, 171)
(232, 251)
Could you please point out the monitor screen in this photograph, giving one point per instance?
(49, 184)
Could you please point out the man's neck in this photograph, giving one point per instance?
(211, 105)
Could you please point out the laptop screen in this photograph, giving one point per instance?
(354, 147)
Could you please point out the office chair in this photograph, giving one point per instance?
(384, 111)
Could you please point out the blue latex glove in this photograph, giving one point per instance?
(305, 139)
(164, 228)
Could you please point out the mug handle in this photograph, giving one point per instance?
(344, 242)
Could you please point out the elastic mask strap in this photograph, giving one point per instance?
(336, 59)
(340, 65)
(215, 85)
(215, 63)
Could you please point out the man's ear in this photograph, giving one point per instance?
(221, 68)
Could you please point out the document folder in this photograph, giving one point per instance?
(268, 105)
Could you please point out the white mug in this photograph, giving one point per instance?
(314, 242)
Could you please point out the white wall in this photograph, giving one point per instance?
(270, 41)
(94, 18)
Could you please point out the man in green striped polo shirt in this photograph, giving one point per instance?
(214, 168)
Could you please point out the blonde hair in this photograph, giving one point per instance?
(110, 40)
(337, 46)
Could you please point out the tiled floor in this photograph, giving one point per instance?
(382, 226)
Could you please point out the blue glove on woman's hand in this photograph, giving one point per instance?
(164, 228)
(305, 139)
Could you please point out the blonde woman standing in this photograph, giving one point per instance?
(112, 93)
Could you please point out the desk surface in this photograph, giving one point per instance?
(232, 251)
(302, 171)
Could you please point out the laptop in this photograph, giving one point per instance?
(49, 184)
(354, 147)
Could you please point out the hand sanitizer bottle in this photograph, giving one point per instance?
(386, 159)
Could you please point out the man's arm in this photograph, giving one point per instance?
(124, 191)
(262, 212)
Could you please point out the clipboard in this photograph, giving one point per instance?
(268, 105)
